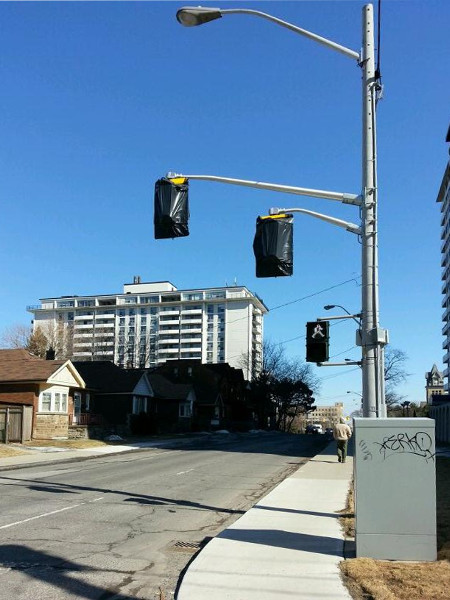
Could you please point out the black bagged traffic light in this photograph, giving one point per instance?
(171, 208)
(273, 246)
(317, 341)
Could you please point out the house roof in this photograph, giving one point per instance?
(19, 365)
(105, 376)
(163, 388)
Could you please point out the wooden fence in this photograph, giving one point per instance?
(15, 423)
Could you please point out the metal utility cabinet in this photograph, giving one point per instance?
(395, 489)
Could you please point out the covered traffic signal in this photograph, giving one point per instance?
(317, 341)
(273, 245)
(171, 208)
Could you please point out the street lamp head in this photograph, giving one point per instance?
(329, 306)
(190, 16)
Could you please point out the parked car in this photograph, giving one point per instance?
(329, 433)
(314, 428)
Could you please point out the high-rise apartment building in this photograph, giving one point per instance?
(150, 323)
(444, 199)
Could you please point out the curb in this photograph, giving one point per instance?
(61, 461)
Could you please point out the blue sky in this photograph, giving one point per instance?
(100, 99)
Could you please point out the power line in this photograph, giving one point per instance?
(339, 374)
(312, 295)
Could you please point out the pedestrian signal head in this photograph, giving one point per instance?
(317, 341)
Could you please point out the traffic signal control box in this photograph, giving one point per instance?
(273, 246)
(171, 208)
(317, 341)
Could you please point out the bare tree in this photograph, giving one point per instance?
(15, 336)
(282, 389)
(394, 374)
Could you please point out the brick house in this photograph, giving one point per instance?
(221, 393)
(43, 385)
(135, 400)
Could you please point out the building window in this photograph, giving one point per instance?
(46, 401)
(185, 409)
(53, 402)
(139, 405)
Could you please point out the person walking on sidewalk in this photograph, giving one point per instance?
(342, 433)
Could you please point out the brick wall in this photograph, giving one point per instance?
(48, 426)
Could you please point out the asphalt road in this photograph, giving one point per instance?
(125, 526)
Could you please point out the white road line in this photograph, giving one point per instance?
(53, 512)
(183, 472)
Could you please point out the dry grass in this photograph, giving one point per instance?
(369, 579)
(385, 580)
(6, 451)
(347, 518)
(81, 443)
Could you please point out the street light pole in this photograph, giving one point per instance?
(372, 337)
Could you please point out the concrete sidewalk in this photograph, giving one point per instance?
(288, 545)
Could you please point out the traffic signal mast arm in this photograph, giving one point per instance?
(339, 222)
(345, 198)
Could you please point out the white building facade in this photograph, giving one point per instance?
(444, 199)
(150, 323)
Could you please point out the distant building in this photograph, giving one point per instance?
(327, 415)
(434, 383)
(150, 323)
(444, 199)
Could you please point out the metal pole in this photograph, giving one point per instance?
(372, 347)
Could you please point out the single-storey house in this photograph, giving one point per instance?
(44, 386)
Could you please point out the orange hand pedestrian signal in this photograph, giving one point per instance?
(317, 341)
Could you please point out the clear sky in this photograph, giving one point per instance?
(100, 99)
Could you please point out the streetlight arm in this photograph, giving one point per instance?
(215, 13)
(339, 222)
(275, 187)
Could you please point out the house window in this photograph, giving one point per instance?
(139, 405)
(53, 402)
(46, 401)
(185, 409)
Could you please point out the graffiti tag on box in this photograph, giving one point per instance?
(419, 444)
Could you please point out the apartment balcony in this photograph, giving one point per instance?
(169, 340)
(35, 307)
(172, 351)
(445, 328)
(192, 311)
(445, 313)
(168, 321)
